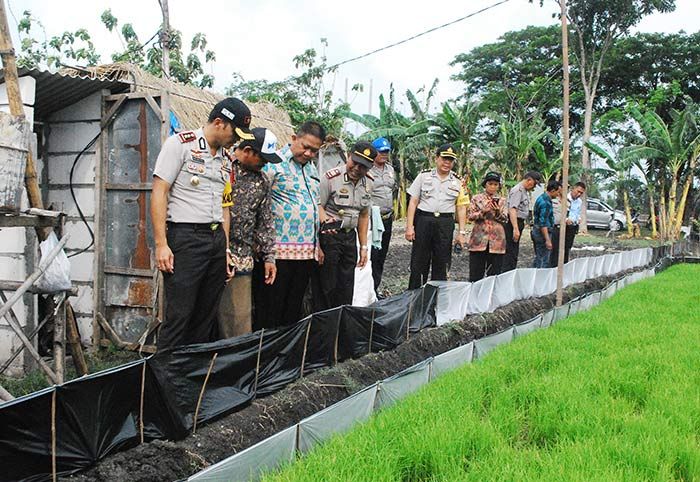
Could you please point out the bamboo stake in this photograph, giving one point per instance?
(201, 393)
(143, 385)
(408, 320)
(565, 152)
(53, 435)
(371, 332)
(306, 342)
(257, 363)
(337, 336)
(59, 343)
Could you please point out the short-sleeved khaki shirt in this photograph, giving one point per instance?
(199, 182)
(343, 199)
(437, 195)
(519, 198)
(384, 181)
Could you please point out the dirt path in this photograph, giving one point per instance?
(167, 461)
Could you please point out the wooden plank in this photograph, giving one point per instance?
(130, 95)
(73, 336)
(105, 343)
(154, 105)
(15, 285)
(100, 228)
(107, 118)
(24, 221)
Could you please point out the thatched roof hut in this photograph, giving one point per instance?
(191, 105)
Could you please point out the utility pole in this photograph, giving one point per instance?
(564, 153)
(14, 97)
(165, 38)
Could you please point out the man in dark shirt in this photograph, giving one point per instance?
(543, 214)
(252, 230)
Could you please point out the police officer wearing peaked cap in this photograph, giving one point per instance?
(344, 205)
(436, 195)
(190, 213)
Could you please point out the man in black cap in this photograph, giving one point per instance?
(190, 214)
(435, 196)
(252, 236)
(518, 214)
(344, 205)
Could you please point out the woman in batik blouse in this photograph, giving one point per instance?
(487, 243)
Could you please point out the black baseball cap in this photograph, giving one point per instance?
(238, 114)
(363, 153)
(534, 175)
(447, 150)
(265, 142)
(491, 176)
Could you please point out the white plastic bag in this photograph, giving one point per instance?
(57, 275)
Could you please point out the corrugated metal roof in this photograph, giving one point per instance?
(55, 91)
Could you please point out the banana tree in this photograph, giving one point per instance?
(458, 124)
(674, 149)
(619, 172)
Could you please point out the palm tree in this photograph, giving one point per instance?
(671, 148)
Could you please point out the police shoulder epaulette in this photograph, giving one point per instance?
(227, 154)
(456, 176)
(425, 170)
(335, 172)
(369, 176)
(187, 136)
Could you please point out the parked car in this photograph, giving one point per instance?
(602, 216)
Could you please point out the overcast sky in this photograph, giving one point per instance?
(259, 38)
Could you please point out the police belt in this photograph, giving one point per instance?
(194, 226)
(420, 212)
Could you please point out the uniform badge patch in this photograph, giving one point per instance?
(186, 137)
(333, 173)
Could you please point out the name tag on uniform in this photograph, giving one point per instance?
(343, 196)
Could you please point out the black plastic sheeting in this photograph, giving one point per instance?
(100, 414)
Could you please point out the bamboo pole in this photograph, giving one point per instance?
(59, 343)
(141, 400)
(53, 435)
(565, 152)
(257, 362)
(303, 355)
(5, 396)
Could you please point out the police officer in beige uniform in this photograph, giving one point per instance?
(191, 196)
(384, 179)
(345, 199)
(436, 194)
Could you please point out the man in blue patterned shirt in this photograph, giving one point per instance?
(541, 232)
(294, 190)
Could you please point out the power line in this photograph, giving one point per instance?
(417, 35)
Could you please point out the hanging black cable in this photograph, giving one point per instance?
(75, 200)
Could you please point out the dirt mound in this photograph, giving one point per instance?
(162, 460)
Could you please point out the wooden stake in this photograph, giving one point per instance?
(143, 385)
(303, 355)
(201, 393)
(565, 152)
(14, 98)
(337, 336)
(53, 435)
(257, 363)
(76, 347)
(408, 320)
(59, 342)
(371, 332)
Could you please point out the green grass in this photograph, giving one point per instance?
(609, 394)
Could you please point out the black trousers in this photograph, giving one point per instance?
(432, 248)
(379, 255)
(280, 303)
(336, 276)
(571, 232)
(510, 260)
(193, 290)
(484, 263)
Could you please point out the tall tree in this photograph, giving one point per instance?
(596, 25)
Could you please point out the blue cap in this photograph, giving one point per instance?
(381, 144)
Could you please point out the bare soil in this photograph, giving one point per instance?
(167, 461)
